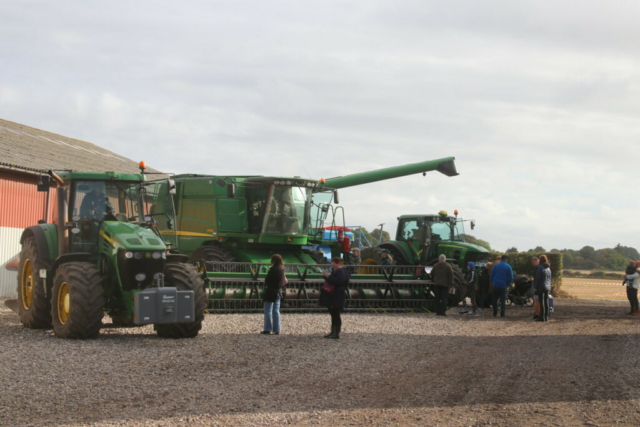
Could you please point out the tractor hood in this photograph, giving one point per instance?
(131, 236)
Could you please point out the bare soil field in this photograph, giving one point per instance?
(594, 288)
(579, 369)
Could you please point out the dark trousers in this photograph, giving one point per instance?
(336, 320)
(632, 296)
(499, 294)
(483, 295)
(543, 297)
(442, 296)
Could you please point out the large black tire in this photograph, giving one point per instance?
(216, 254)
(77, 301)
(34, 308)
(459, 284)
(185, 277)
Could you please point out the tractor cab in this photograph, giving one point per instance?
(94, 205)
(428, 236)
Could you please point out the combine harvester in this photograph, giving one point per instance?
(232, 225)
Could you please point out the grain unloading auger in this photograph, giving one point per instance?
(232, 225)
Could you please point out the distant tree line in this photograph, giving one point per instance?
(589, 258)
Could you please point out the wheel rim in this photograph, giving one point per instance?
(27, 284)
(63, 303)
(368, 270)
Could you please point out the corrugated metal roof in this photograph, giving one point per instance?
(34, 150)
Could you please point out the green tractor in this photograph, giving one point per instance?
(108, 249)
(420, 239)
(234, 224)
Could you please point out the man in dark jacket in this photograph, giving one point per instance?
(334, 297)
(442, 275)
(542, 285)
(501, 278)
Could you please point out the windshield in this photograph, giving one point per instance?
(124, 201)
(108, 201)
(440, 230)
(319, 208)
(287, 210)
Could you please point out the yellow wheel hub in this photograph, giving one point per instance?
(365, 270)
(27, 283)
(63, 303)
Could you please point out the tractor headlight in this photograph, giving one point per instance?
(140, 277)
(288, 182)
(128, 255)
(156, 255)
(138, 255)
(276, 182)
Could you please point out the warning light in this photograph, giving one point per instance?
(142, 165)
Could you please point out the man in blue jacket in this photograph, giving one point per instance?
(501, 277)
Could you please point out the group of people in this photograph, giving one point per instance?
(500, 275)
(331, 295)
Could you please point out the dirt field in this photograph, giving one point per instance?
(579, 369)
(594, 288)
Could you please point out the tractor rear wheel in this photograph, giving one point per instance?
(77, 301)
(185, 277)
(459, 284)
(34, 308)
(373, 256)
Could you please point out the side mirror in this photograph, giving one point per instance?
(43, 182)
(231, 189)
(172, 187)
(336, 199)
(473, 225)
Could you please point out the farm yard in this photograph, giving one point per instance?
(580, 368)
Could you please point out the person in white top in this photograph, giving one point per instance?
(633, 283)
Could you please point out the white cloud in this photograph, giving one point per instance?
(537, 101)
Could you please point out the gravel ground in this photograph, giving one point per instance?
(581, 368)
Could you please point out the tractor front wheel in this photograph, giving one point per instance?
(77, 301)
(185, 277)
(34, 308)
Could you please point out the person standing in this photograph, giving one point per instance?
(471, 289)
(535, 261)
(333, 299)
(542, 285)
(501, 278)
(483, 283)
(273, 283)
(386, 257)
(442, 275)
(354, 257)
(633, 283)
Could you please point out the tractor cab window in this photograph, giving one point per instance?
(106, 201)
(92, 201)
(256, 198)
(287, 210)
(440, 229)
(458, 231)
(412, 230)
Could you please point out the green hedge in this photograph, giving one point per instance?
(521, 264)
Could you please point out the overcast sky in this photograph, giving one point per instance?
(538, 101)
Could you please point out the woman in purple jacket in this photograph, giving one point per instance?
(334, 300)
